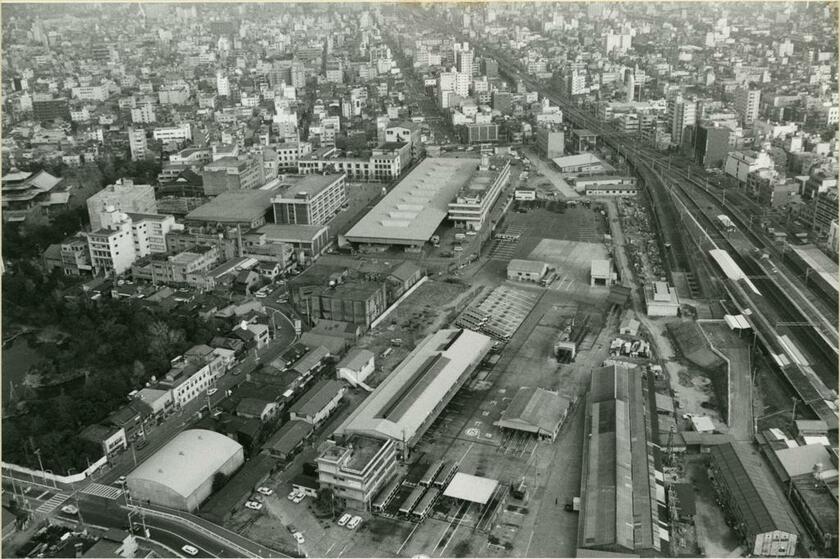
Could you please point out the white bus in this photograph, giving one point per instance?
(726, 222)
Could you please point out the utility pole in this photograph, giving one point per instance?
(37, 453)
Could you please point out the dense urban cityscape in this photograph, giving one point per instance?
(420, 279)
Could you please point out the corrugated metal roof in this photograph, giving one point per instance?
(418, 384)
(749, 486)
(535, 410)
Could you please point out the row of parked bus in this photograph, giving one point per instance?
(419, 502)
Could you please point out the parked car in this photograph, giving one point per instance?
(345, 518)
(291, 528)
(253, 505)
(69, 509)
(265, 491)
(121, 480)
(291, 496)
(189, 550)
(298, 498)
(211, 391)
(354, 522)
(299, 538)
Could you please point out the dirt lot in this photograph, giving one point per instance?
(430, 307)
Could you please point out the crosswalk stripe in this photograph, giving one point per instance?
(53, 503)
(100, 490)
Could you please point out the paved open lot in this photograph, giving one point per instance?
(548, 169)
(737, 352)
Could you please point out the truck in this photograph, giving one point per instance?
(574, 506)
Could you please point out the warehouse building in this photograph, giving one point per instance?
(526, 270)
(601, 273)
(619, 512)
(413, 210)
(751, 501)
(244, 208)
(537, 411)
(180, 475)
(406, 403)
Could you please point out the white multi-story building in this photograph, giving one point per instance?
(81, 115)
(446, 81)
(137, 143)
(471, 206)
(148, 231)
(289, 154)
(462, 84)
(144, 114)
(112, 246)
(358, 468)
(739, 164)
(173, 133)
(90, 93)
(312, 201)
(124, 196)
(188, 379)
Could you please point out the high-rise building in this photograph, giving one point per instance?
(711, 145)
(747, 100)
(629, 86)
(574, 82)
(489, 67)
(464, 61)
(222, 84)
(137, 143)
(681, 113)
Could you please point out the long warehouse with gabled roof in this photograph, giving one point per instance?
(413, 210)
(406, 403)
(619, 511)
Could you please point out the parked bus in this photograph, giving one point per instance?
(726, 223)
(412, 500)
(424, 507)
(445, 475)
(430, 474)
(384, 497)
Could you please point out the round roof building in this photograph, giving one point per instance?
(180, 475)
